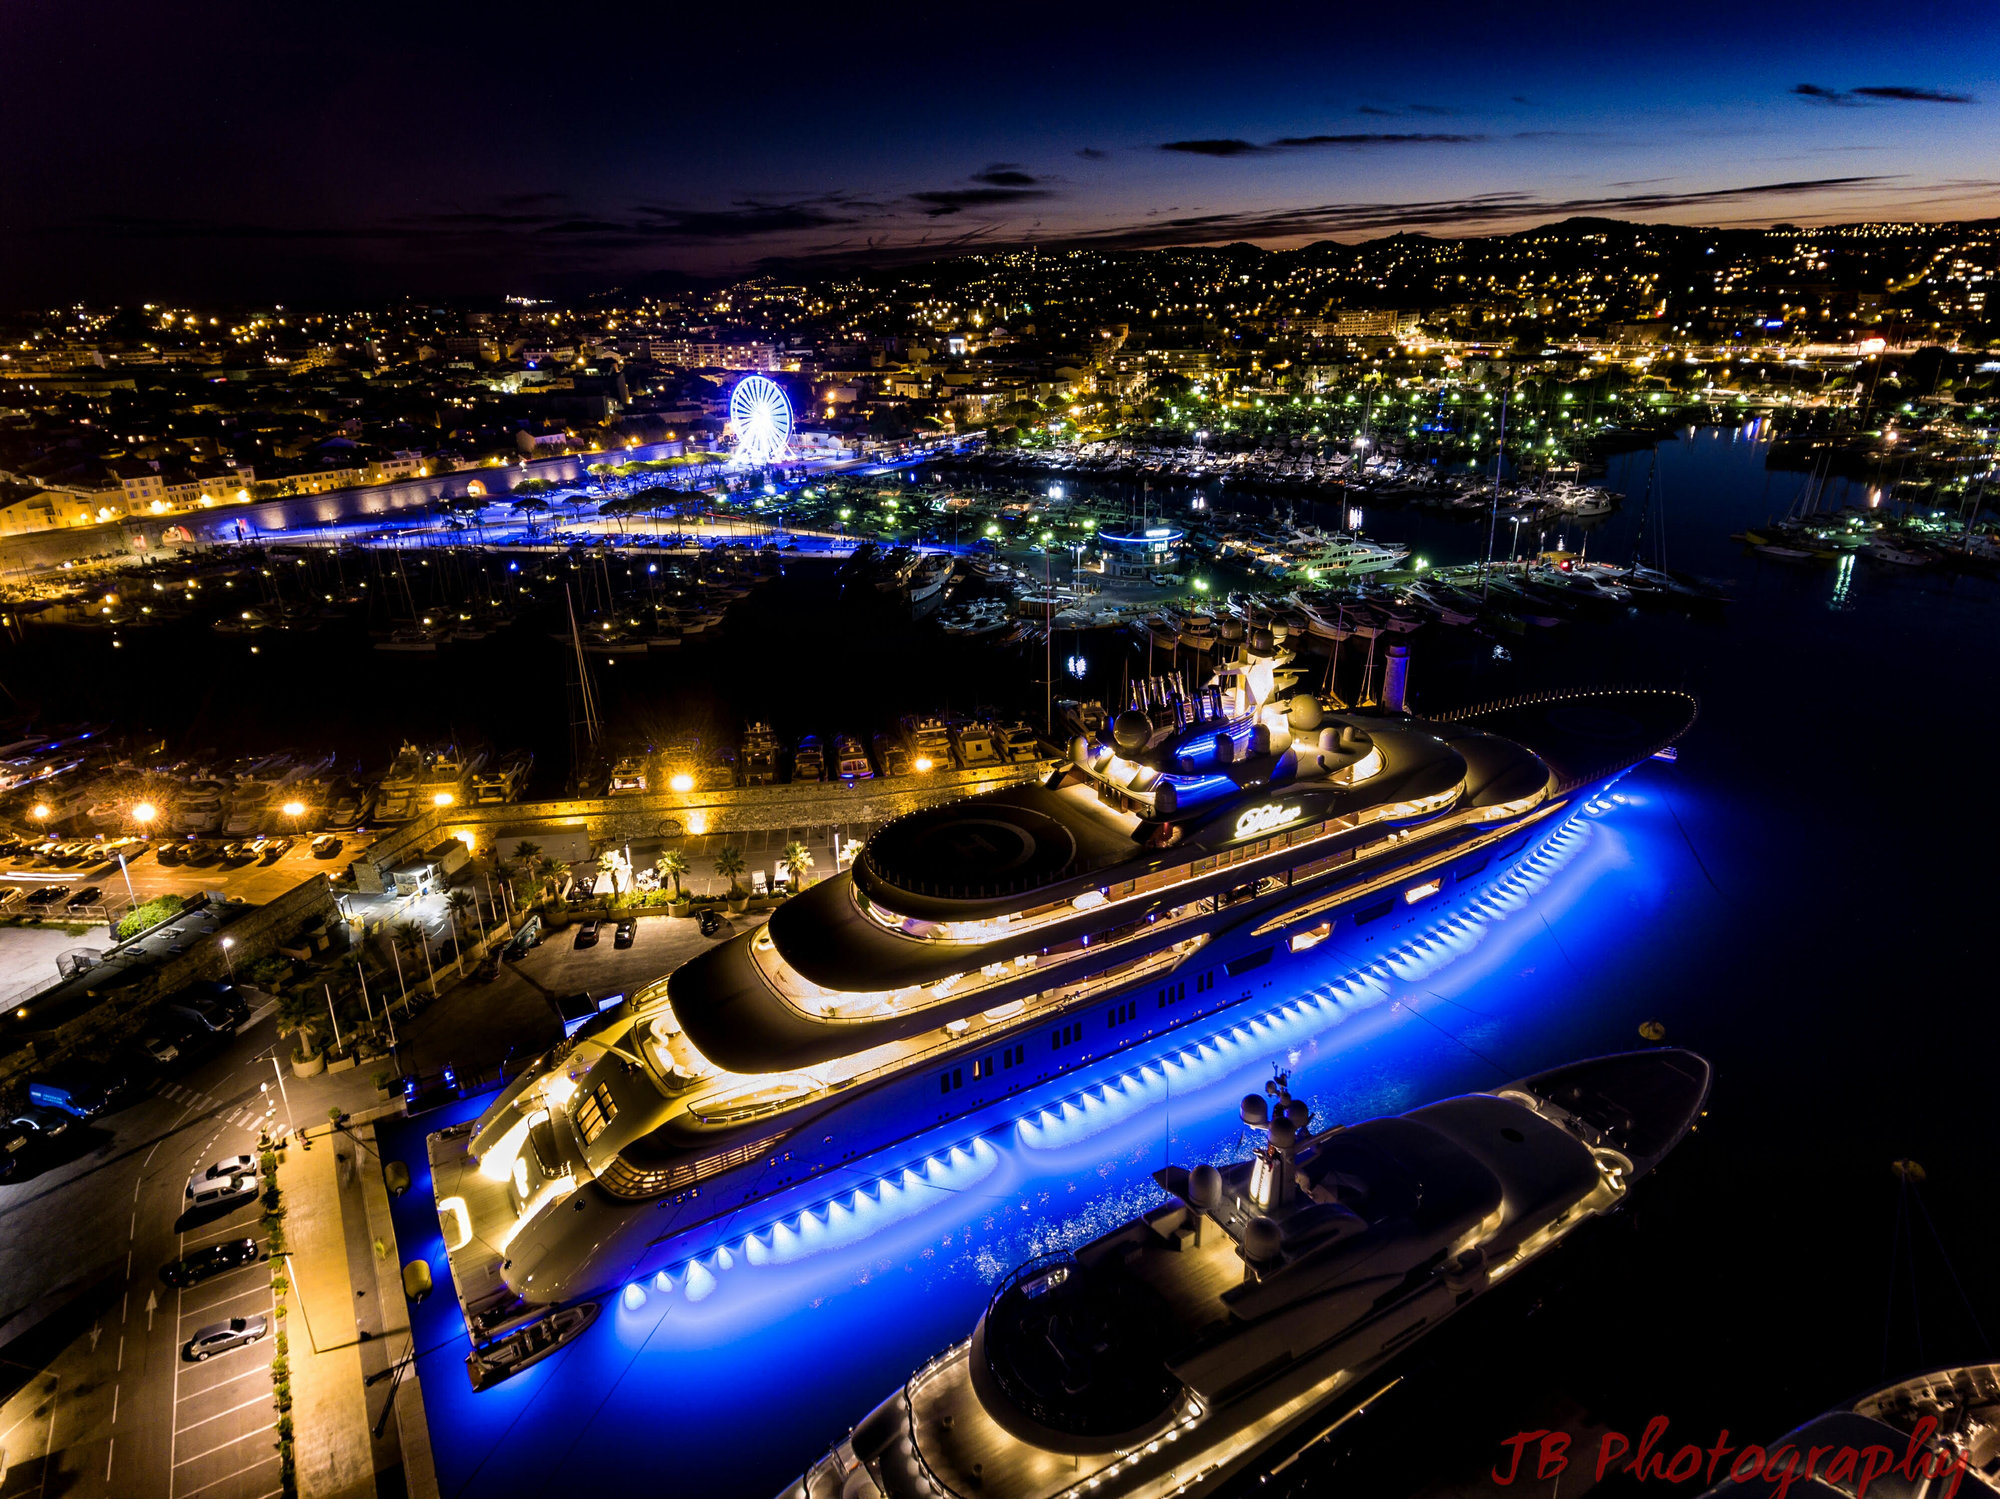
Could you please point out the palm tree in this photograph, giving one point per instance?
(730, 864)
(456, 905)
(672, 865)
(525, 853)
(297, 1014)
(797, 860)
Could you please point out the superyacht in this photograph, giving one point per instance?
(1942, 1425)
(1236, 1325)
(1147, 890)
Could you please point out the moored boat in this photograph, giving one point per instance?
(1218, 1334)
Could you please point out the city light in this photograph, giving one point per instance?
(680, 782)
(143, 812)
(297, 809)
(442, 799)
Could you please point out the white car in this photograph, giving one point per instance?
(224, 1181)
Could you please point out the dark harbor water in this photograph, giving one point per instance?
(1806, 897)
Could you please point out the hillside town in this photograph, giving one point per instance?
(110, 413)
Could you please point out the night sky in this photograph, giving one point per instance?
(302, 151)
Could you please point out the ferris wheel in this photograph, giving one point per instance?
(762, 417)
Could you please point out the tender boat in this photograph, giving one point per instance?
(511, 1352)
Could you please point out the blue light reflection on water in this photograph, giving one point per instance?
(736, 1391)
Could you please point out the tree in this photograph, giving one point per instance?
(298, 1015)
(730, 864)
(526, 853)
(797, 860)
(456, 905)
(672, 865)
(409, 937)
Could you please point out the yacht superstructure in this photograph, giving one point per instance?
(978, 949)
(396, 796)
(1934, 1433)
(1222, 1331)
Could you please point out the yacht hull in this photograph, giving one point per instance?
(767, 1169)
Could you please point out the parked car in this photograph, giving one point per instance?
(326, 845)
(628, 931)
(171, 853)
(73, 1096)
(227, 1192)
(159, 1048)
(13, 895)
(87, 896)
(47, 895)
(529, 936)
(274, 850)
(209, 1012)
(586, 933)
(223, 1336)
(39, 1122)
(228, 1166)
(233, 1254)
(488, 969)
(710, 922)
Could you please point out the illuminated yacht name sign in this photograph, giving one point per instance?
(1262, 819)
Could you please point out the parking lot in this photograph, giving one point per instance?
(660, 944)
(251, 880)
(224, 1443)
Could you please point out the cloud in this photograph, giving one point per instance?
(1899, 93)
(1325, 220)
(1231, 147)
(1369, 109)
(1091, 153)
(1908, 95)
(1359, 139)
(939, 203)
(1213, 148)
(1004, 174)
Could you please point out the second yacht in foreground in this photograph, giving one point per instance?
(1235, 1325)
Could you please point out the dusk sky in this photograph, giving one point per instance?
(303, 151)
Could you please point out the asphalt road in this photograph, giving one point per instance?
(100, 1400)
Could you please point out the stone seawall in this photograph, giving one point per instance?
(674, 814)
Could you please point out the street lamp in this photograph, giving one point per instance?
(443, 799)
(227, 943)
(144, 813)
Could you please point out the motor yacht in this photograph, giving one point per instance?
(760, 755)
(1227, 1329)
(1934, 1433)
(850, 759)
(396, 795)
(504, 780)
(1151, 888)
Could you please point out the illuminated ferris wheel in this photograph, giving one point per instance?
(762, 417)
